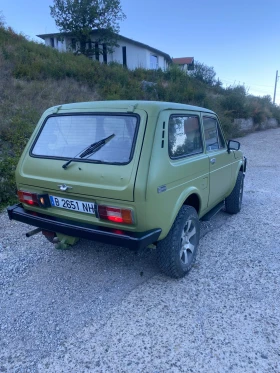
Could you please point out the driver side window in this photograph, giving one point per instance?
(213, 137)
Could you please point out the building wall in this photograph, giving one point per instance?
(57, 44)
(136, 56)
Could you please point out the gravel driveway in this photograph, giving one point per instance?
(98, 308)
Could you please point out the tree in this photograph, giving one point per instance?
(81, 17)
(2, 19)
(203, 73)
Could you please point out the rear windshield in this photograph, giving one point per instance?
(68, 136)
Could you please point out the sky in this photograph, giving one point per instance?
(240, 39)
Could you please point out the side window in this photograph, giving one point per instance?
(213, 136)
(184, 136)
(221, 138)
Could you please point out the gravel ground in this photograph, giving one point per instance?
(98, 308)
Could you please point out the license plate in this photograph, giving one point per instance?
(72, 204)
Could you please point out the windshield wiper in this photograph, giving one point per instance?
(93, 148)
(96, 146)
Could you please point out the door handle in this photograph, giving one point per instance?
(213, 160)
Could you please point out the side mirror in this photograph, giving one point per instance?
(233, 145)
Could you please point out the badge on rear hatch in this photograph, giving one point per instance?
(64, 187)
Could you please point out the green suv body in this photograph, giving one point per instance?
(131, 173)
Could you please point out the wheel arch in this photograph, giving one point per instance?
(243, 165)
(191, 198)
(194, 201)
(241, 168)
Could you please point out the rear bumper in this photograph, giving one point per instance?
(132, 240)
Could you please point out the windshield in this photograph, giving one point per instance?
(66, 136)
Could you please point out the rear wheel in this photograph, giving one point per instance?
(234, 201)
(177, 251)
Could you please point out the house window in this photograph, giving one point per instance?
(153, 62)
(105, 53)
(89, 44)
(124, 56)
(191, 66)
(96, 47)
(52, 42)
(73, 44)
(184, 136)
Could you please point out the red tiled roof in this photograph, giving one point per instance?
(183, 60)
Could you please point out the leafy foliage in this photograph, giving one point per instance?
(234, 102)
(203, 73)
(2, 19)
(13, 140)
(80, 17)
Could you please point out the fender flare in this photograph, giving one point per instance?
(181, 200)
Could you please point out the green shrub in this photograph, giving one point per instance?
(7, 180)
(234, 102)
(15, 137)
(261, 108)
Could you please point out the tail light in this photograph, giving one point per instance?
(34, 199)
(115, 214)
(29, 198)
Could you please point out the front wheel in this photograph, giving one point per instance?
(177, 251)
(234, 201)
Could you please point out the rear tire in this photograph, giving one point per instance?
(177, 251)
(234, 201)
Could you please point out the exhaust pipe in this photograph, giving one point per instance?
(34, 231)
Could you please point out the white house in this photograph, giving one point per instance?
(129, 53)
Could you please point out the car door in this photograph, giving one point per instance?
(220, 161)
(178, 167)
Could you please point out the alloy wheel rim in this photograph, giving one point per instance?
(188, 238)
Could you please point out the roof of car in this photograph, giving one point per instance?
(130, 106)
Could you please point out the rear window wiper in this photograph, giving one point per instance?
(90, 149)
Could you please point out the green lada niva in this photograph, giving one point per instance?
(129, 173)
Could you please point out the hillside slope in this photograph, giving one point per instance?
(34, 77)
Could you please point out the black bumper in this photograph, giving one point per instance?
(132, 240)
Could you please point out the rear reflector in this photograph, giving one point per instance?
(117, 215)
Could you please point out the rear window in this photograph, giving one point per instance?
(68, 136)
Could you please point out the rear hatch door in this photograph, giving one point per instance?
(105, 171)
